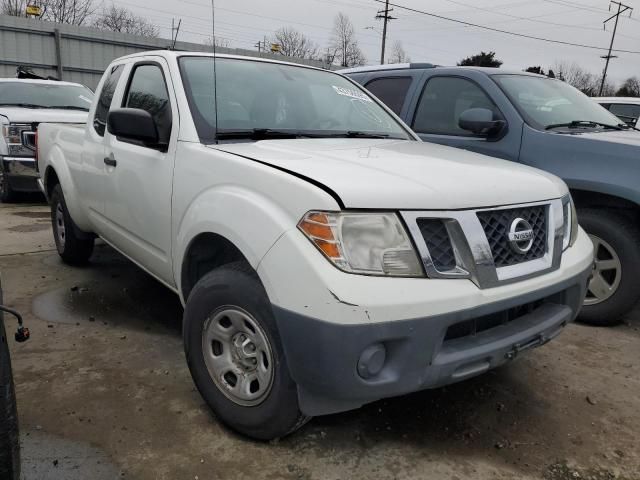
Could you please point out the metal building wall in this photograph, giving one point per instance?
(80, 54)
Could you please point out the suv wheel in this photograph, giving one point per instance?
(612, 291)
(73, 248)
(9, 441)
(235, 357)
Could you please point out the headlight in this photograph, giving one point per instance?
(365, 243)
(570, 223)
(12, 134)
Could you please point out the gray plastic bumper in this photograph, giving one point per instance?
(326, 359)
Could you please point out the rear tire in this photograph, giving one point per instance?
(9, 438)
(226, 310)
(612, 290)
(74, 248)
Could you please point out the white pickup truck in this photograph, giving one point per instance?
(325, 256)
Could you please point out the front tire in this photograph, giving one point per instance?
(7, 194)
(235, 355)
(612, 291)
(9, 440)
(73, 248)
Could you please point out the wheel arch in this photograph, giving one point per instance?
(598, 200)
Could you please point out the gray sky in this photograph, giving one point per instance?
(244, 22)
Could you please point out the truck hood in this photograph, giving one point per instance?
(391, 174)
(31, 115)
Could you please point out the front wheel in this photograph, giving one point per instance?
(73, 248)
(235, 356)
(612, 291)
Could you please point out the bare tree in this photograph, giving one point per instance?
(576, 76)
(345, 44)
(398, 55)
(217, 41)
(119, 19)
(74, 12)
(630, 88)
(294, 43)
(14, 8)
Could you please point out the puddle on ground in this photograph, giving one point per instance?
(45, 456)
(113, 290)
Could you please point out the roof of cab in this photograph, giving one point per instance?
(39, 82)
(422, 66)
(174, 54)
(634, 100)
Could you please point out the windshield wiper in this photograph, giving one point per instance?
(262, 133)
(583, 123)
(21, 105)
(359, 134)
(68, 107)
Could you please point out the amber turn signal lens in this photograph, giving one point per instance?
(317, 226)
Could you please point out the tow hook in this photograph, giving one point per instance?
(521, 347)
(22, 334)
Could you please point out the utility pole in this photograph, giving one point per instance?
(259, 46)
(621, 9)
(384, 15)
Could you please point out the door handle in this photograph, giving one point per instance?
(110, 161)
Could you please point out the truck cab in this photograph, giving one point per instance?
(544, 123)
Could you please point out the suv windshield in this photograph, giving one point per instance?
(270, 100)
(45, 95)
(548, 103)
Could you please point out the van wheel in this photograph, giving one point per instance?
(9, 441)
(74, 249)
(235, 355)
(612, 291)
(7, 194)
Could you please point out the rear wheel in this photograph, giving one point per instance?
(612, 291)
(9, 440)
(74, 248)
(235, 357)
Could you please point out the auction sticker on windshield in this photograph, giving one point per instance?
(347, 92)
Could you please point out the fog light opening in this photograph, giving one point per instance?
(372, 360)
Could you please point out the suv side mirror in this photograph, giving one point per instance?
(133, 125)
(480, 121)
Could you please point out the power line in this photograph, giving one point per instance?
(498, 30)
(621, 9)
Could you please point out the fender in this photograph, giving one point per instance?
(251, 221)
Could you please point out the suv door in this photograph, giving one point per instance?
(435, 112)
(140, 177)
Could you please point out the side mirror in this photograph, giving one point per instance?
(480, 121)
(133, 124)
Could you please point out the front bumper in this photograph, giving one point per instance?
(21, 173)
(424, 325)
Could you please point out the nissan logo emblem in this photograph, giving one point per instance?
(520, 236)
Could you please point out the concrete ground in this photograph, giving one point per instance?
(104, 392)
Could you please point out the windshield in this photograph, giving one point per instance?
(271, 98)
(548, 102)
(45, 95)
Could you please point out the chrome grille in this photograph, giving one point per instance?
(436, 237)
(496, 224)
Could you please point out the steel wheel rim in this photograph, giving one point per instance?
(60, 228)
(606, 273)
(238, 356)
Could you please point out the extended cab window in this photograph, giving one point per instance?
(443, 100)
(148, 91)
(392, 91)
(104, 101)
